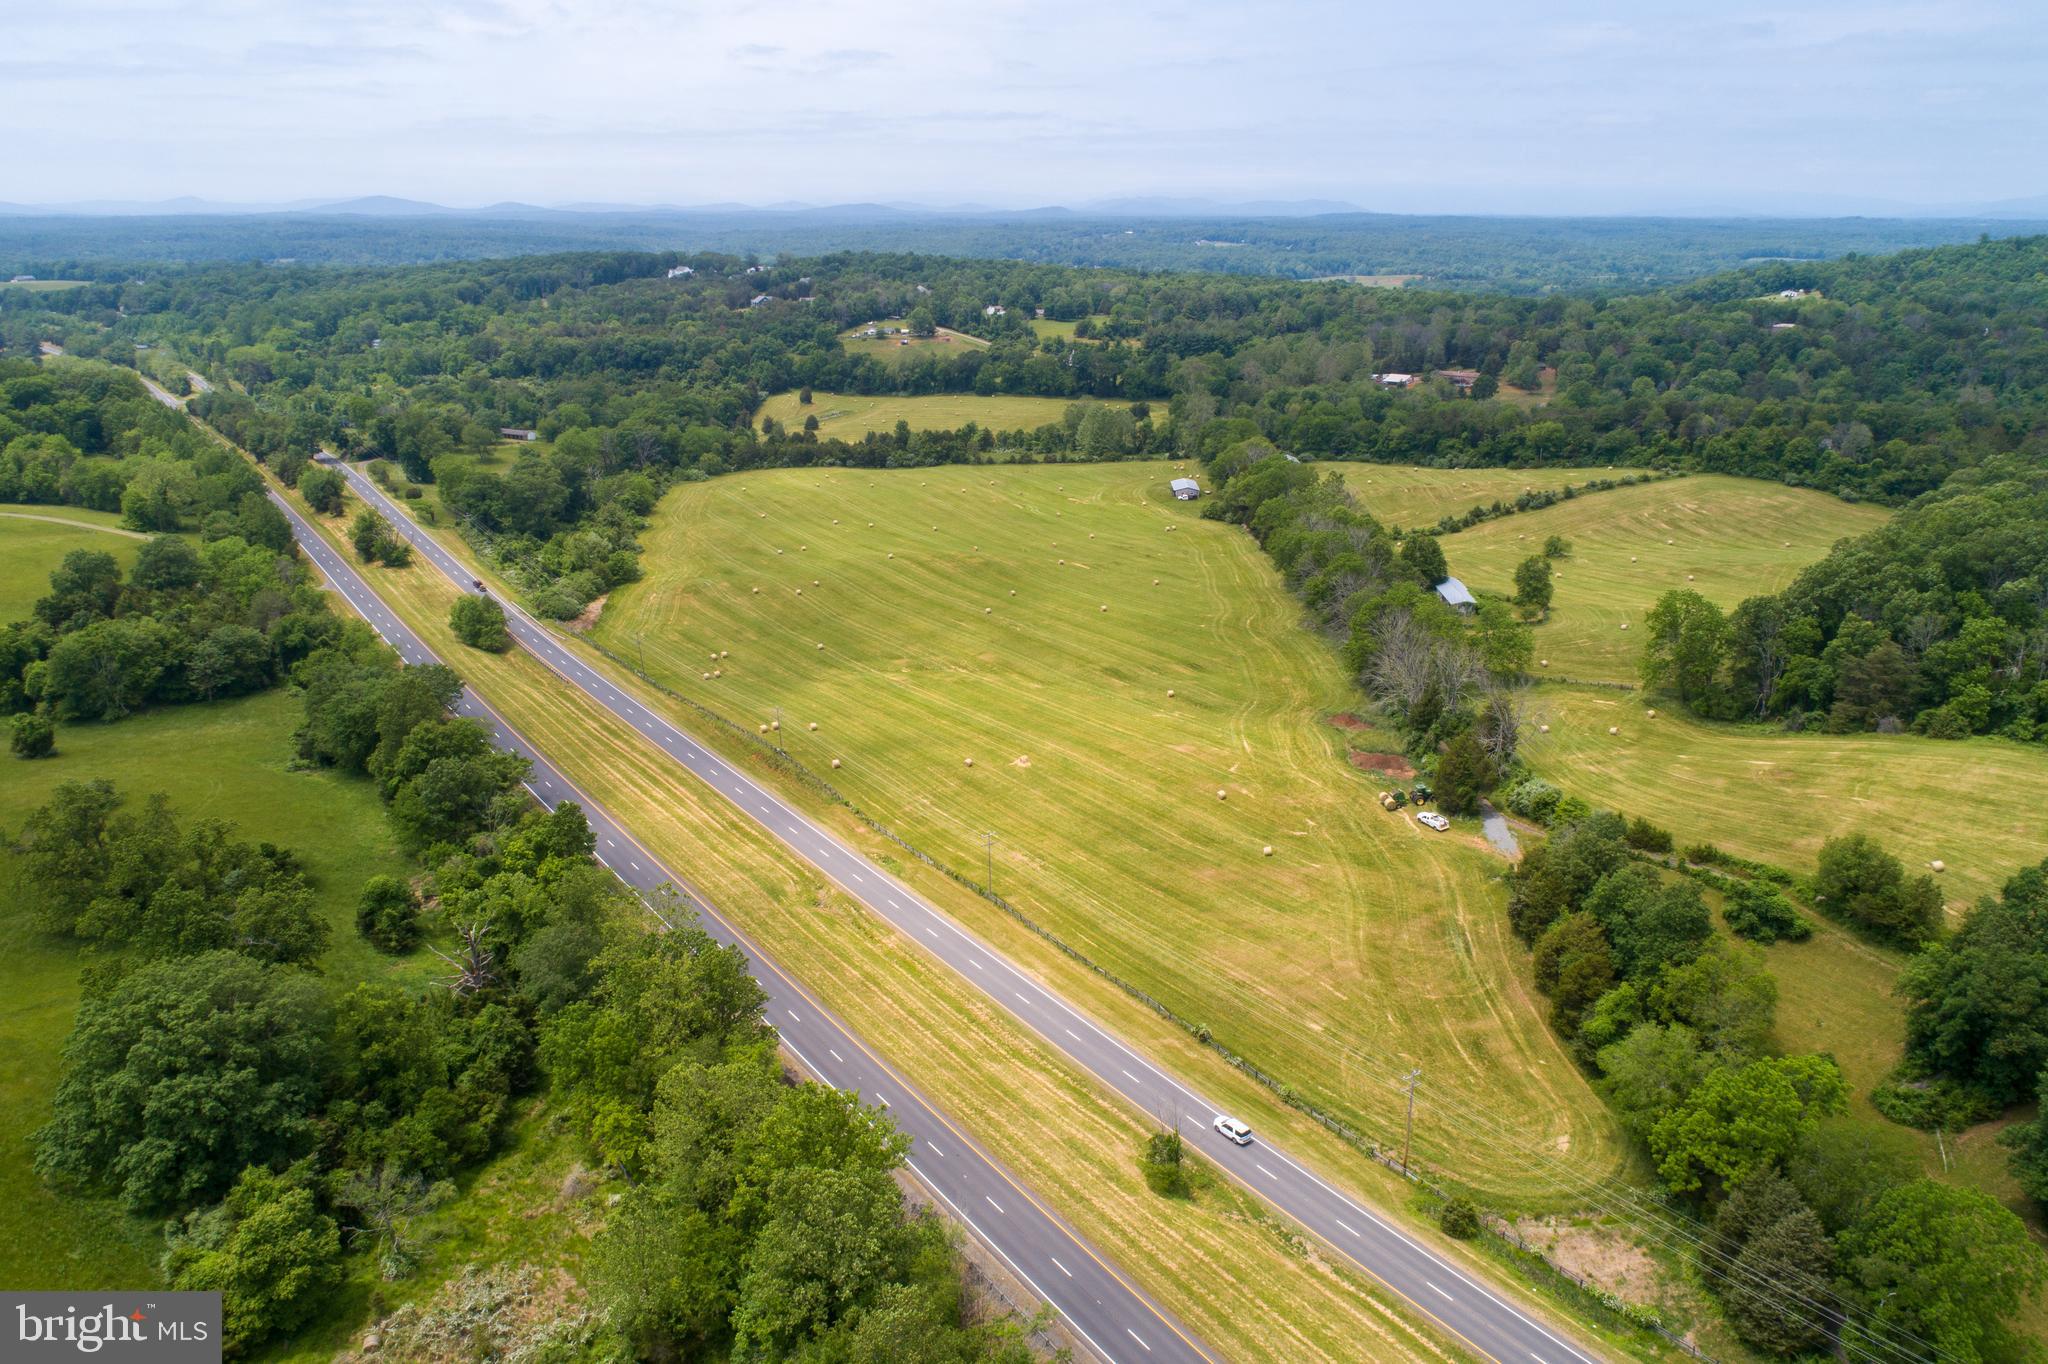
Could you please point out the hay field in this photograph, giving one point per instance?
(35, 539)
(849, 416)
(1735, 537)
(950, 629)
(1979, 805)
(1406, 495)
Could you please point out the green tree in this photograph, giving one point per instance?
(218, 1062)
(1464, 774)
(1946, 1264)
(33, 735)
(1768, 1296)
(1533, 587)
(322, 489)
(479, 622)
(388, 914)
(1859, 881)
(267, 1249)
(1977, 1006)
(167, 563)
(1686, 646)
(1650, 1072)
(1424, 557)
(1743, 1118)
(1574, 965)
(1847, 1164)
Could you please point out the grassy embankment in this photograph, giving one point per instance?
(1406, 496)
(1218, 1264)
(34, 539)
(849, 416)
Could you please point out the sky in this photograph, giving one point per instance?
(1557, 107)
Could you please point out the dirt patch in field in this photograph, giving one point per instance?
(1344, 719)
(1599, 1254)
(1387, 764)
(587, 617)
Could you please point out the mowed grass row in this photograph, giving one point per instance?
(849, 416)
(227, 760)
(949, 629)
(1725, 538)
(35, 539)
(1223, 1265)
(1411, 497)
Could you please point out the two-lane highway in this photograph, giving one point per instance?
(1099, 1305)
(1435, 1285)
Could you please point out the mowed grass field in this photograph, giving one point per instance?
(894, 349)
(227, 760)
(1407, 496)
(1978, 805)
(35, 539)
(1034, 619)
(1725, 538)
(849, 416)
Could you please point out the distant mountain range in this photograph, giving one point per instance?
(386, 206)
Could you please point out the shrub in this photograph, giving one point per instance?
(1706, 854)
(388, 914)
(414, 492)
(1534, 799)
(1861, 882)
(479, 622)
(1644, 836)
(1931, 1104)
(1165, 1166)
(321, 487)
(34, 735)
(1457, 1217)
(1762, 914)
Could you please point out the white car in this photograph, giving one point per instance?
(1233, 1129)
(1433, 820)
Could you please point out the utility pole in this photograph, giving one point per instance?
(640, 648)
(778, 729)
(988, 847)
(1409, 1132)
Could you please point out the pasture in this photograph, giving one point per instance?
(1407, 495)
(849, 416)
(35, 539)
(1145, 719)
(1976, 804)
(895, 349)
(231, 760)
(42, 286)
(1725, 538)
(1049, 328)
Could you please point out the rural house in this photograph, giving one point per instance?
(1393, 379)
(1186, 489)
(678, 271)
(1462, 379)
(994, 310)
(1458, 595)
(518, 433)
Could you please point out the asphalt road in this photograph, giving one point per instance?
(1100, 1306)
(1434, 1285)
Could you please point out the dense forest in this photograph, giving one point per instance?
(1520, 255)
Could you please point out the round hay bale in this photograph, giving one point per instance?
(1688, 577)
(1545, 729)
(1631, 558)
(988, 610)
(775, 724)
(707, 677)
(1543, 662)
(835, 764)
(1169, 691)
(764, 729)
(814, 582)
(1653, 712)
(1268, 850)
(725, 653)
(1614, 729)
(757, 591)
(1671, 542)
(871, 525)
(1155, 582)
(801, 548)
(814, 724)
(1091, 535)
(970, 762)
(1063, 563)
(821, 646)
(1013, 591)
(799, 591)
(1624, 625)
(1105, 607)
(1222, 794)
(714, 655)
(892, 556)
(718, 672)
(1937, 865)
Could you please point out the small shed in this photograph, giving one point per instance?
(1186, 489)
(1457, 594)
(518, 433)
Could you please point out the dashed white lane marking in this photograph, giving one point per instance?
(1023, 998)
(1346, 1225)
(1060, 1267)
(894, 905)
(1538, 1358)
(1132, 1078)
(1438, 1291)
(993, 1204)
(836, 1056)
(934, 1148)
(1070, 1032)
(882, 1099)
(975, 964)
(856, 876)
(792, 1016)
(1264, 1171)
(1140, 1339)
